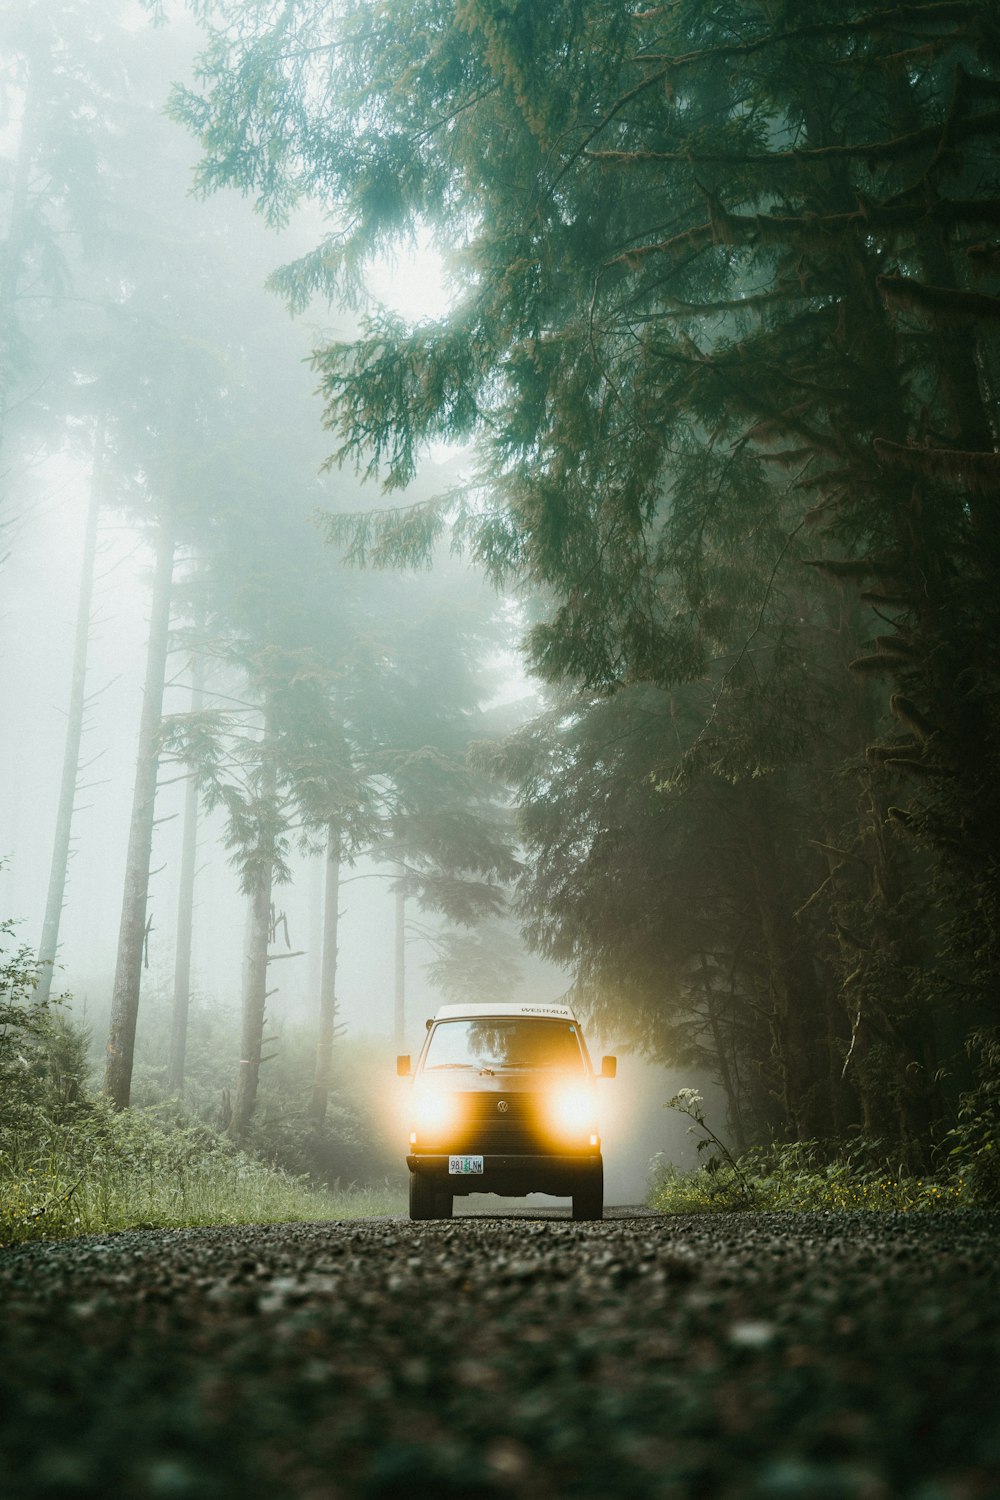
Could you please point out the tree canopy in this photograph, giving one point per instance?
(724, 331)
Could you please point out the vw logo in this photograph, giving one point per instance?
(502, 1106)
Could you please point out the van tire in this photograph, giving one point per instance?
(588, 1198)
(424, 1197)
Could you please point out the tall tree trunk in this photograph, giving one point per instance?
(258, 942)
(793, 1007)
(328, 978)
(132, 930)
(49, 944)
(185, 904)
(722, 1044)
(399, 1007)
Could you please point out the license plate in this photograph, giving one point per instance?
(459, 1166)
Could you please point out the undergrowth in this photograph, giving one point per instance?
(113, 1172)
(70, 1164)
(105, 1171)
(815, 1176)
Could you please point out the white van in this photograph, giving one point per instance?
(503, 1100)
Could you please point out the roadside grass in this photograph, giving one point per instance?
(810, 1176)
(103, 1171)
(794, 1188)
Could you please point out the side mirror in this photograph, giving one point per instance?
(609, 1067)
(403, 1065)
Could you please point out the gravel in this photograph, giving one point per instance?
(751, 1356)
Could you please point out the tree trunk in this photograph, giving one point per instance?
(328, 979)
(185, 904)
(49, 944)
(794, 1011)
(721, 1045)
(258, 942)
(132, 930)
(399, 1008)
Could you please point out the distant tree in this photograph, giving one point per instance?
(185, 903)
(132, 930)
(48, 946)
(61, 75)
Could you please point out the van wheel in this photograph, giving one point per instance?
(424, 1200)
(445, 1204)
(588, 1199)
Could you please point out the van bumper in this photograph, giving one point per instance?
(511, 1175)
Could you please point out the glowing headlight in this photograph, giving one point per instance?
(433, 1109)
(572, 1110)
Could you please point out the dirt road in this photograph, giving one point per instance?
(758, 1357)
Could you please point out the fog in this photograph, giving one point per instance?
(153, 356)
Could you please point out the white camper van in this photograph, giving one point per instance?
(503, 1100)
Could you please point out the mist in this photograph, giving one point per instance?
(157, 375)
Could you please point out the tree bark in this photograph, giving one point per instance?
(132, 930)
(49, 944)
(328, 979)
(185, 905)
(258, 942)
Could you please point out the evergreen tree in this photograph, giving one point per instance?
(725, 280)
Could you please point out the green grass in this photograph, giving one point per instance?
(810, 1176)
(834, 1188)
(105, 1171)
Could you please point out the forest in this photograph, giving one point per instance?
(704, 437)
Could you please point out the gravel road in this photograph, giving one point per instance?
(743, 1356)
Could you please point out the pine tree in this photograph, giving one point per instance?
(726, 283)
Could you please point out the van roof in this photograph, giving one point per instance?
(476, 1012)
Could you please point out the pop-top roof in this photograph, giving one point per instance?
(478, 1012)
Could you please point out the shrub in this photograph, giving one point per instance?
(809, 1175)
(972, 1147)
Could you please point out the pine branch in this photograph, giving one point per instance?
(875, 151)
(946, 305)
(877, 22)
(976, 471)
(725, 228)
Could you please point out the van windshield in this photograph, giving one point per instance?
(514, 1043)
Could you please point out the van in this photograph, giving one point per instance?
(503, 1099)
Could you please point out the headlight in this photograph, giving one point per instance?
(571, 1110)
(433, 1109)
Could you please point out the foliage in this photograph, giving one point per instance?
(111, 1170)
(799, 1178)
(972, 1146)
(353, 1145)
(689, 1102)
(724, 330)
(804, 1176)
(42, 1061)
(71, 1164)
(482, 966)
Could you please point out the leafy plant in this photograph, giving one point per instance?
(973, 1145)
(689, 1102)
(807, 1176)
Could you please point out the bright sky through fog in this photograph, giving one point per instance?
(411, 282)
